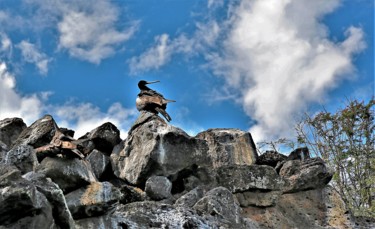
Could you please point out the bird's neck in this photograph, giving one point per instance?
(144, 88)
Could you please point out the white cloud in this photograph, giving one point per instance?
(89, 32)
(154, 57)
(164, 48)
(84, 117)
(13, 104)
(279, 56)
(32, 55)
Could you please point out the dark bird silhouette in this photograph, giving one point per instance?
(153, 101)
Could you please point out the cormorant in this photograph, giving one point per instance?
(150, 100)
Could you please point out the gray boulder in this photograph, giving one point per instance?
(229, 147)
(154, 147)
(9, 174)
(271, 158)
(189, 199)
(21, 204)
(100, 164)
(55, 196)
(93, 200)
(304, 175)
(40, 133)
(22, 156)
(299, 154)
(10, 129)
(69, 174)
(158, 188)
(104, 137)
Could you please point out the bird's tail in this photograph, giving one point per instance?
(164, 113)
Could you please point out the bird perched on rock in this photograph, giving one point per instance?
(150, 100)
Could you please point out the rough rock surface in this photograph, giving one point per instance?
(319, 208)
(104, 137)
(271, 158)
(69, 174)
(300, 154)
(189, 199)
(100, 164)
(304, 175)
(221, 204)
(95, 199)
(158, 188)
(21, 204)
(10, 129)
(155, 148)
(40, 133)
(208, 181)
(240, 178)
(229, 147)
(55, 196)
(22, 156)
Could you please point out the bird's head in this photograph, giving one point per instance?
(142, 84)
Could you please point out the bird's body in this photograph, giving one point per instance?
(150, 100)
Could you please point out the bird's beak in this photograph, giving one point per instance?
(157, 81)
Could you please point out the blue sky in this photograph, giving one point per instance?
(256, 65)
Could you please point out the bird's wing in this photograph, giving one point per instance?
(152, 99)
(156, 94)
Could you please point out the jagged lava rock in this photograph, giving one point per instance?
(221, 203)
(100, 164)
(154, 147)
(271, 158)
(21, 204)
(240, 178)
(55, 196)
(158, 188)
(22, 156)
(229, 147)
(3, 149)
(40, 133)
(149, 214)
(303, 175)
(9, 174)
(93, 200)
(10, 129)
(69, 174)
(253, 185)
(189, 199)
(300, 154)
(104, 137)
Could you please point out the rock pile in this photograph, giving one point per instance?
(159, 177)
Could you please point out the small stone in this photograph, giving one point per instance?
(158, 188)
